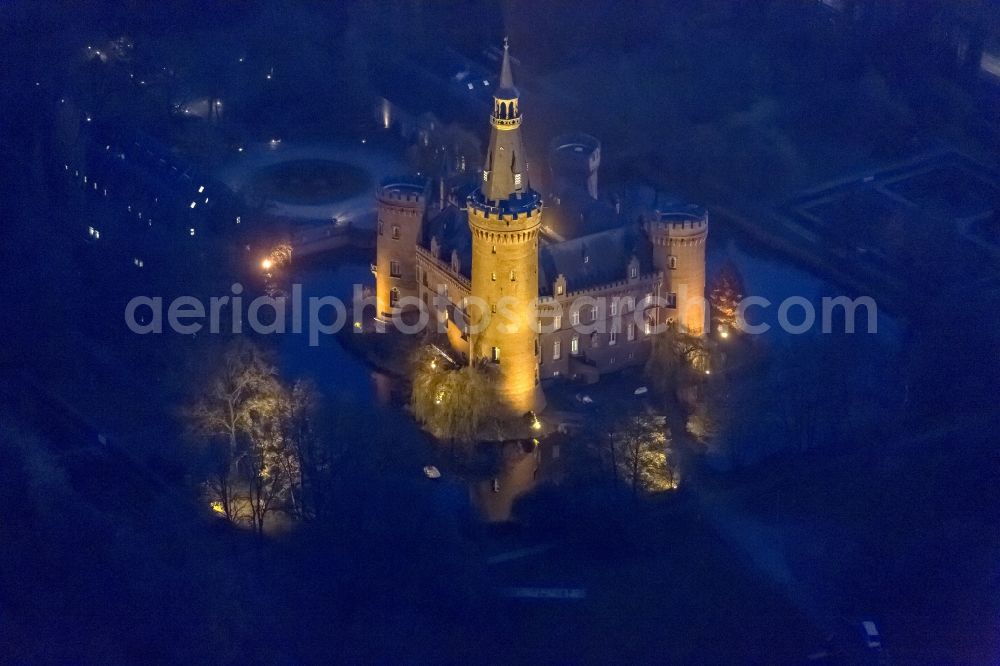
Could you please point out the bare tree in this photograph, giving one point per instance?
(272, 463)
(676, 360)
(635, 451)
(222, 414)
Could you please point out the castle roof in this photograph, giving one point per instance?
(451, 229)
(594, 260)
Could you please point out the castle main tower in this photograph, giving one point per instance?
(679, 251)
(504, 217)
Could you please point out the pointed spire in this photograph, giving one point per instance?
(506, 79)
(505, 173)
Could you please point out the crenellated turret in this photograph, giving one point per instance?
(401, 206)
(678, 239)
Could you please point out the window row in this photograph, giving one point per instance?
(395, 230)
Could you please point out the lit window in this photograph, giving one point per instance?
(630, 332)
(614, 307)
(493, 276)
(559, 290)
(494, 249)
(517, 180)
(556, 322)
(486, 175)
(648, 327)
(612, 337)
(394, 269)
(574, 317)
(633, 271)
(574, 345)
(556, 350)
(495, 354)
(513, 276)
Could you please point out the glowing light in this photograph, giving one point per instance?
(191, 231)
(434, 364)
(193, 204)
(201, 189)
(266, 264)
(386, 114)
(357, 325)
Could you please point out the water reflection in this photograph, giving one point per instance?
(515, 471)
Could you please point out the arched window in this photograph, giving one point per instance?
(503, 110)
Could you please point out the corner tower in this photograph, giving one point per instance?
(678, 240)
(504, 217)
(401, 207)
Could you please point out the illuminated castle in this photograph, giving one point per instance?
(599, 295)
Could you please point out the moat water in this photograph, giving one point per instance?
(376, 403)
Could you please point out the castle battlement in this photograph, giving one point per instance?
(402, 192)
(620, 285)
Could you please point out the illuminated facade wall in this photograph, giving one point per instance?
(505, 278)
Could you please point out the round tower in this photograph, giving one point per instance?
(401, 204)
(504, 217)
(574, 160)
(678, 239)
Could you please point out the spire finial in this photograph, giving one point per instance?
(506, 80)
